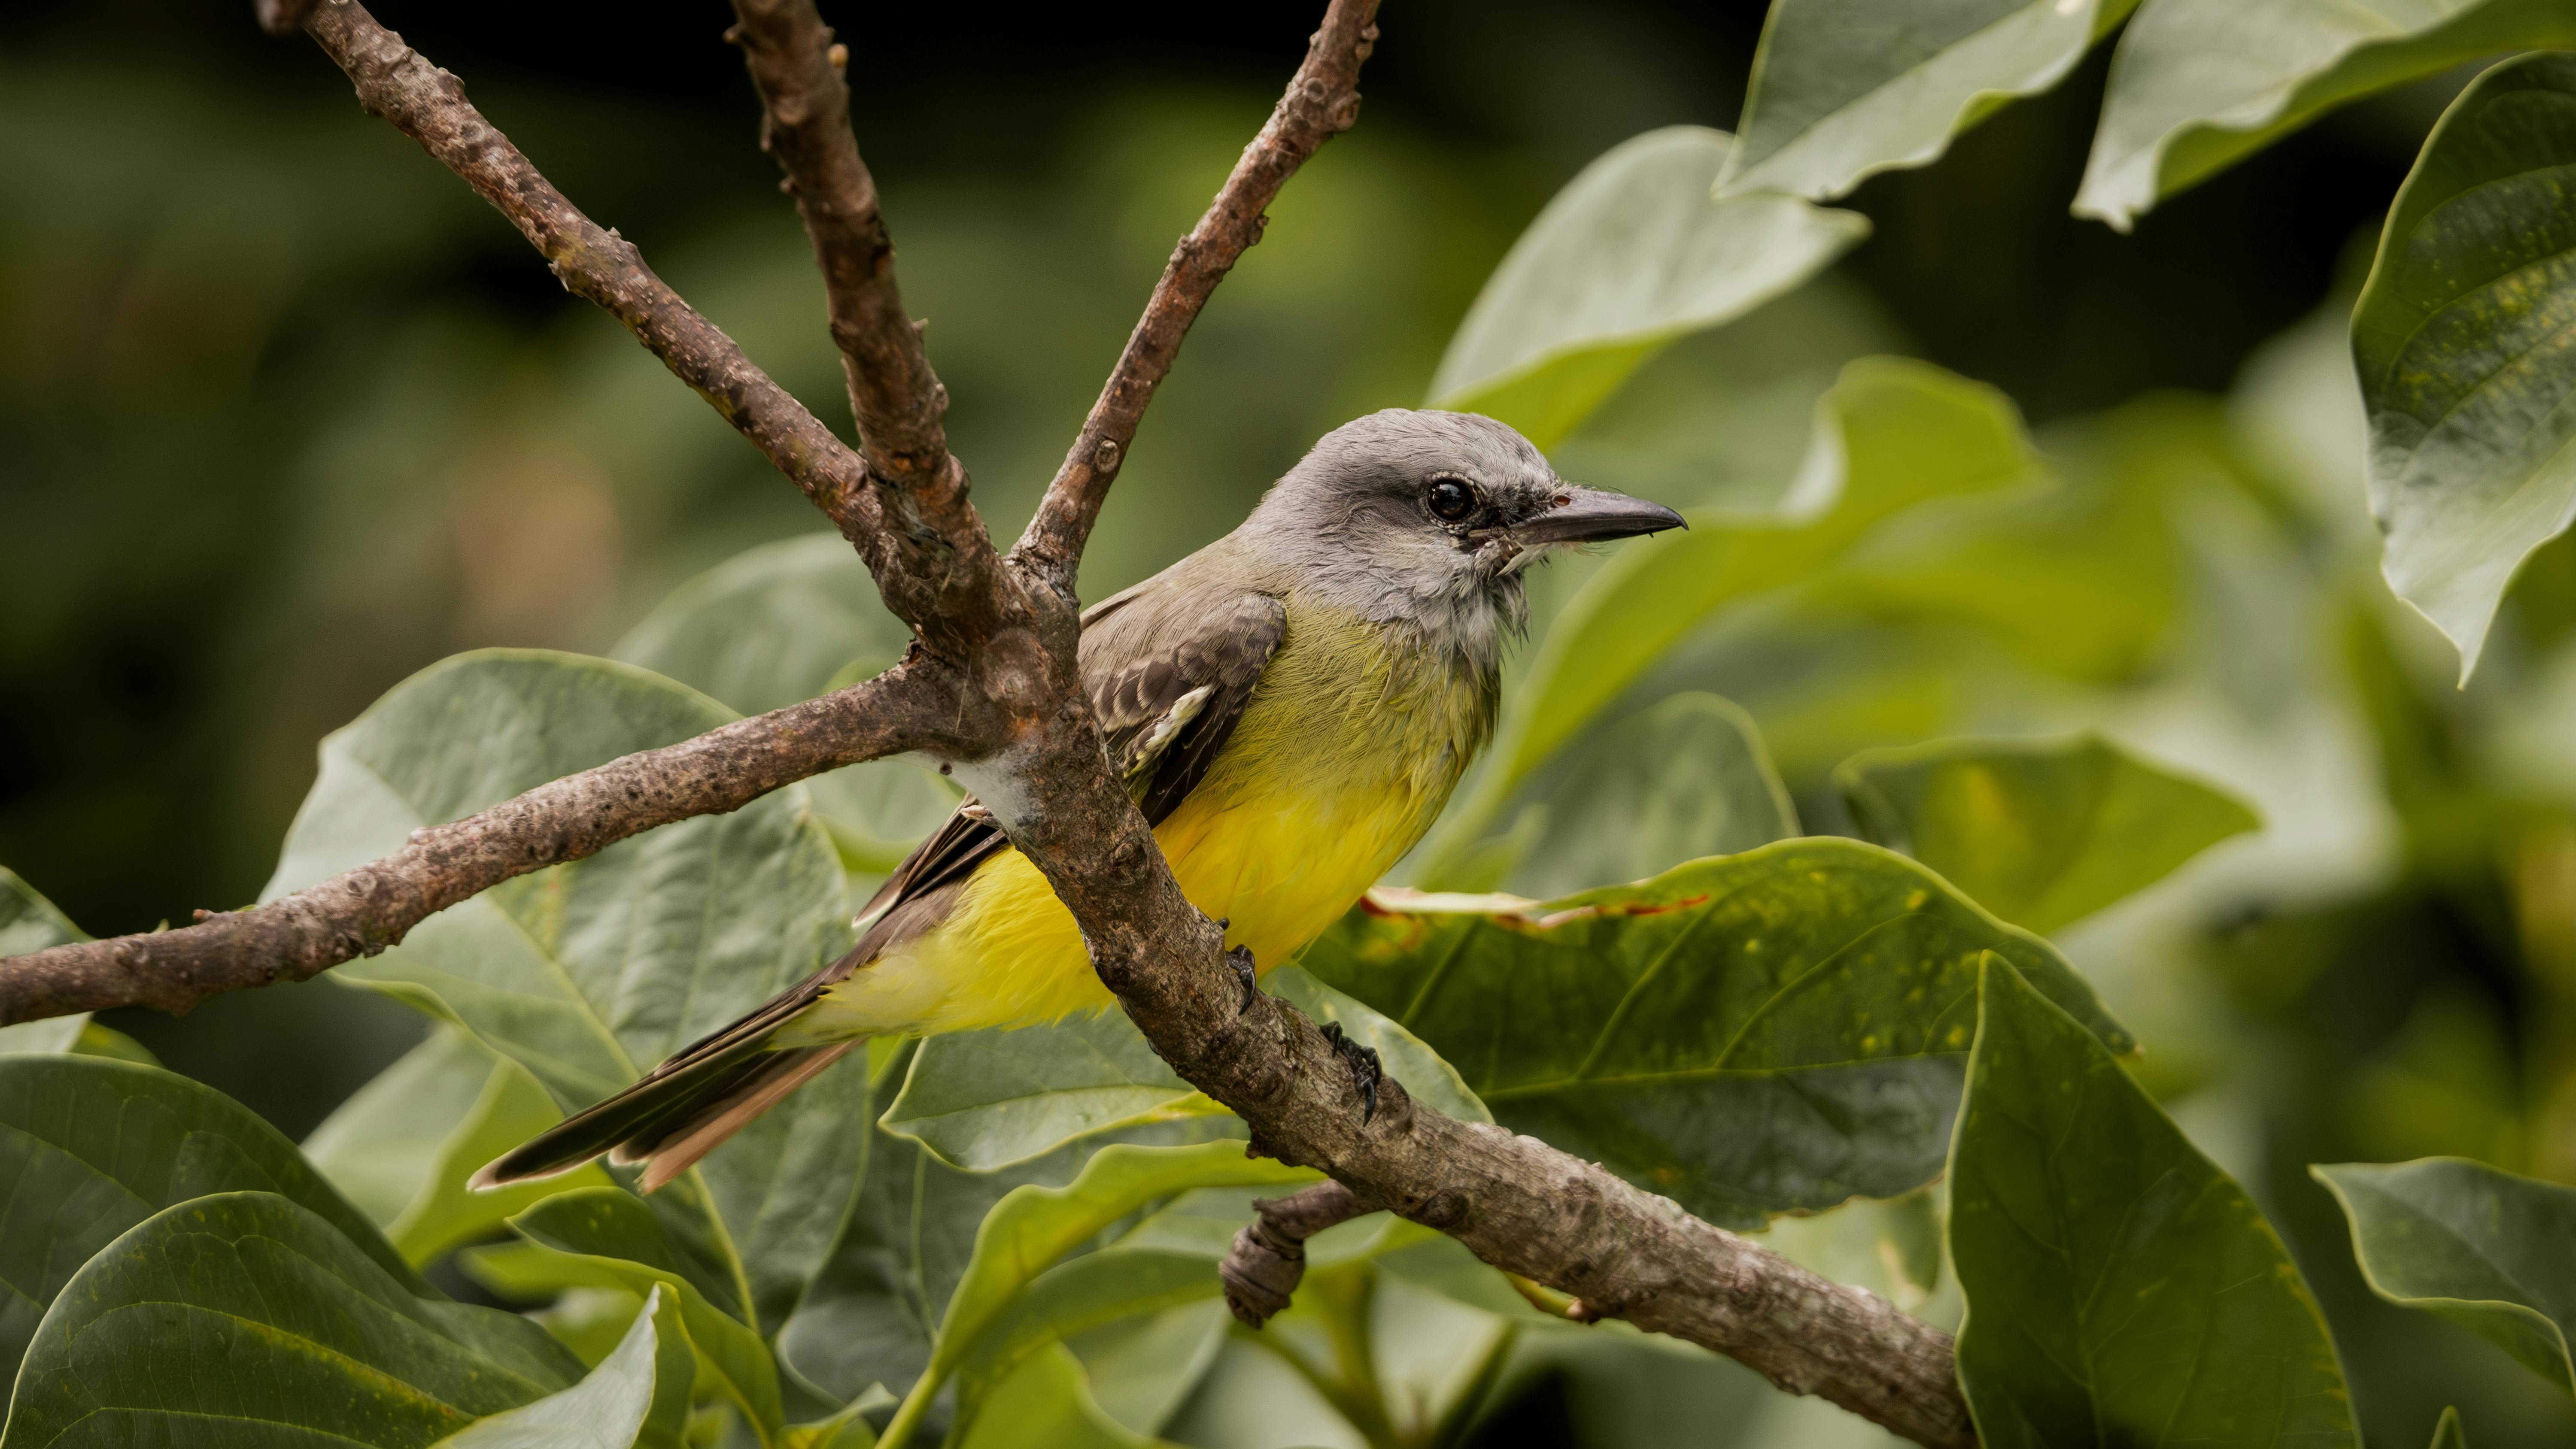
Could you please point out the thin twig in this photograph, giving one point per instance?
(361, 912)
(894, 395)
(428, 104)
(1322, 101)
(1268, 1260)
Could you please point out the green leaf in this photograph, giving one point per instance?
(1892, 433)
(610, 1236)
(89, 1148)
(382, 1145)
(1033, 1227)
(1088, 1292)
(2199, 85)
(2484, 1249)
(982, 1100)
(785, 622)
(1047, 1401)
(1630, 255)
(1845, 89)
(848, 1429)
(770, 626)
(244, 1318)
(403, 1145)
(29, 922)
(606, 1410)
(1028, 1231)
(2082, 577)
(588, 973)
(1684, 779)
(1769, 1032)
(1142, 1369)
(2465, 339)
(985, 1100)
(2121, 1289)
(2448, 1434)
(2040, 832)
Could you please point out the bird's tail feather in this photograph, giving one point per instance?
(669, 1119)
(674, 1145)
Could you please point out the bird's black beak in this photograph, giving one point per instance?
(1576, 514)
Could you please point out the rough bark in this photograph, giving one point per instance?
(895, 397)
(998, 693)
(1321, 102)
(362, 911)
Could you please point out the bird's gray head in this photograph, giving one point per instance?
(1430, 517)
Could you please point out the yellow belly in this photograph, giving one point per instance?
(1345, 755)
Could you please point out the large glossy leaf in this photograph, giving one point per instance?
(1033, 1227)
(1630, 255)
(873, 1312)
(2040, 832)
(606, 1410)
(2084, 578)
(2485, 1249)
(588, 973)
(1046, 1400)
(1686, 778)
(89, 1148)
(403, 1146)
(982, 1100)
(1769, 1032)
(1088, 1292)
(2198, 85)
(1890, 434)
(382, 1145)
(2465, 339)
(784, 622)
(2121, 1289)
(608, 1235)
(1844, 89)
(770, 626)
(29, 922)
(242, 1318)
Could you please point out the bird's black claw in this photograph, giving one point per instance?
(1240, 958)
(1366, 1071)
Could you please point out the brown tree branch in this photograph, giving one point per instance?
(361, 912)
(428, 104)
(1322, 101)
(1016, 722)
(805, 123)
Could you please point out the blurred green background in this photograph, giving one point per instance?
(288, 414)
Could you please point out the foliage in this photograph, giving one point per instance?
(1908, 1052)
(2119, 1285)
(2461, 342)
(2483, 1248)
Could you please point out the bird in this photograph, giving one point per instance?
(1290, 707)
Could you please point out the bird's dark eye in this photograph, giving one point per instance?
(1450, 499)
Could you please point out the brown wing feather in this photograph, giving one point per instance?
(1168, 681)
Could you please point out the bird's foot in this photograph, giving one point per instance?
(1366, 1070)
(1240, 958)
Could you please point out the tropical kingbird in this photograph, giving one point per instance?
(1291, 705)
